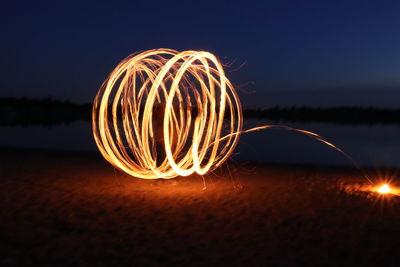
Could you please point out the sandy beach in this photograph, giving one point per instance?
(71, 208)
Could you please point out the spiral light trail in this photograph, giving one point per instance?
(163, 113)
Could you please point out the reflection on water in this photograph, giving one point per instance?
(74, 136)
(369, 145)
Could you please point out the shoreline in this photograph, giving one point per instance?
(96, 154)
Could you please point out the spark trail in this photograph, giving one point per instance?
(163, 113)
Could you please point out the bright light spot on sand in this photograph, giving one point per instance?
(384, 189)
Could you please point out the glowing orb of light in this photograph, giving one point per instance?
(163, 113)
(384, 189)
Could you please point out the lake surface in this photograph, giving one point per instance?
(369, 145)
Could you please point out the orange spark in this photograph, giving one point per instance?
(384, 189)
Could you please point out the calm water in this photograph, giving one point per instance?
(369, 145)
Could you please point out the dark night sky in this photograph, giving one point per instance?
(295, 52)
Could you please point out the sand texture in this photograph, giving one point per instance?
(69, 208)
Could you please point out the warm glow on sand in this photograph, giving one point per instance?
(384, 189)
(163, 113)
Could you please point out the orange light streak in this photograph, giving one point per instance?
(125, 129)
(201, 115)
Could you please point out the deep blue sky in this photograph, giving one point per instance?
(295, 52)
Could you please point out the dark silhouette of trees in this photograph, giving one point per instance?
(48, 111)
(342, 115)
(23, 111)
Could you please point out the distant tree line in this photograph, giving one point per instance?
(340, 115)
(48, 111)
